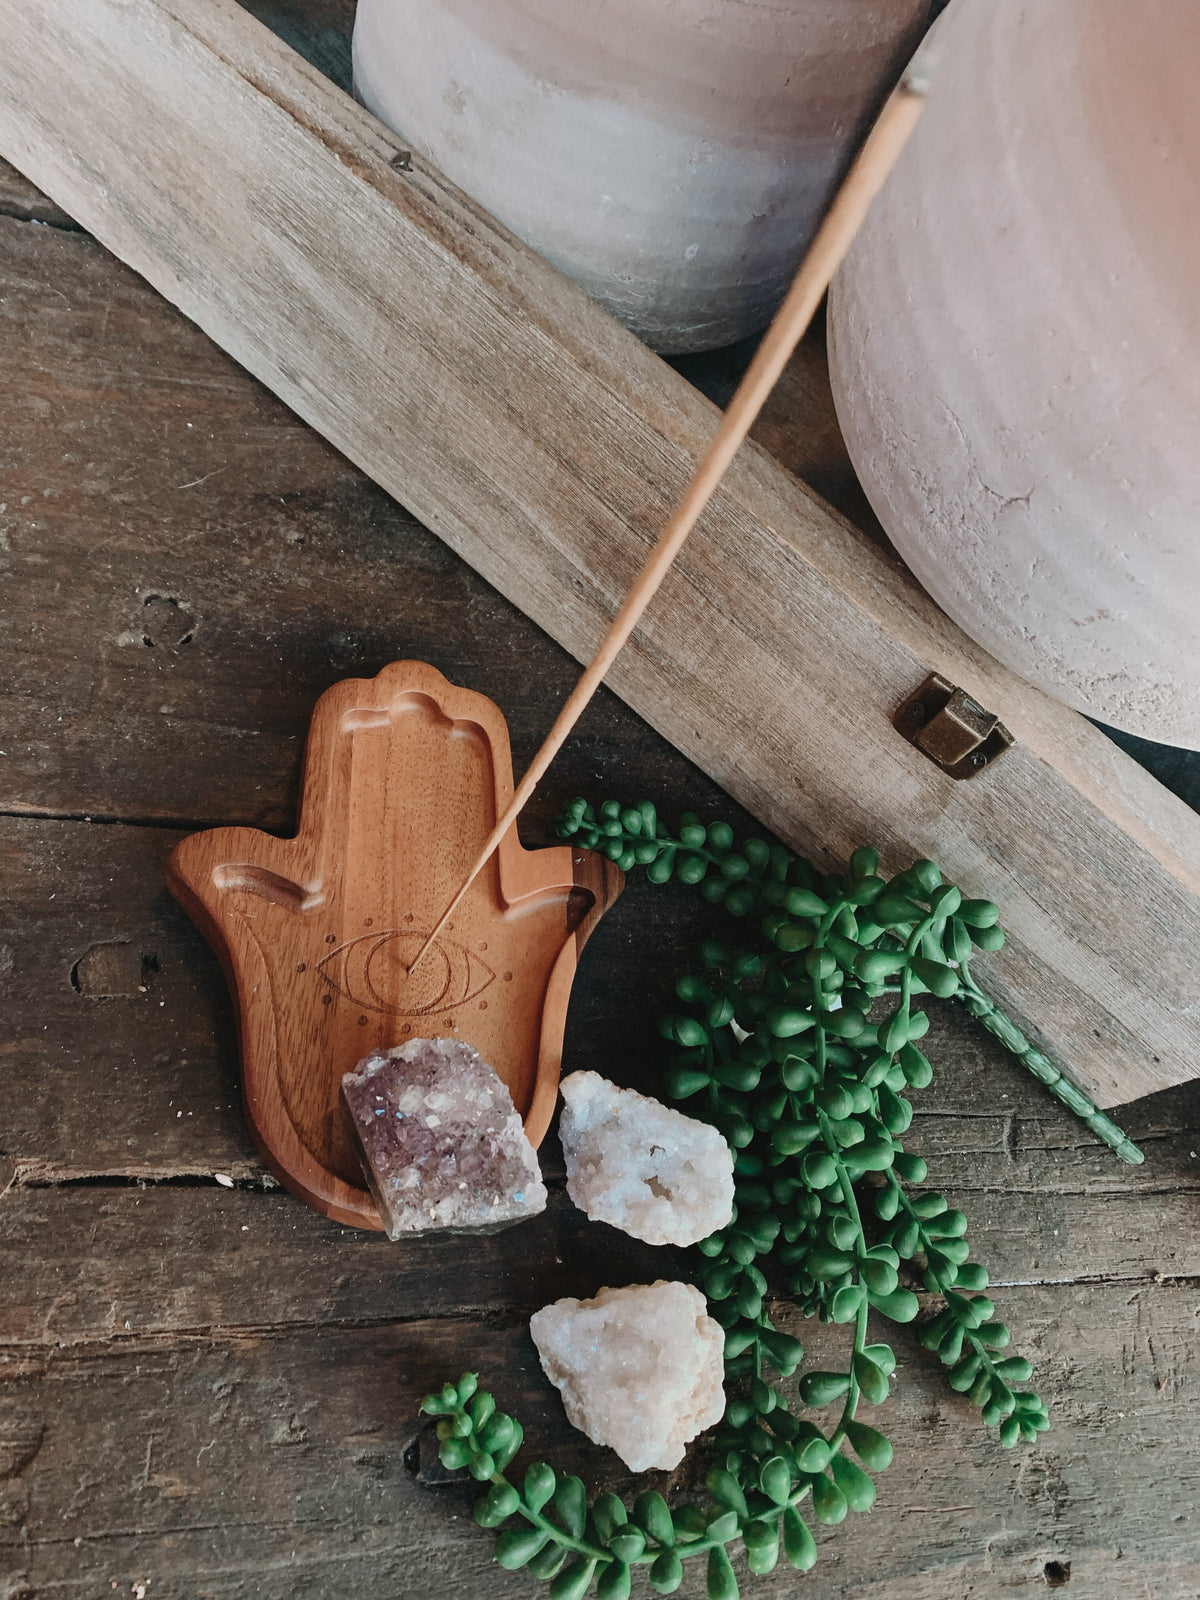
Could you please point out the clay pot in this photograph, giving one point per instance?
(1015, 350)
(672, 156)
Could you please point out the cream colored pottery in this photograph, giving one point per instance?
(672, 156)
(1015, 349)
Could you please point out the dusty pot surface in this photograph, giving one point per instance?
(672, 156)
(1015, 349)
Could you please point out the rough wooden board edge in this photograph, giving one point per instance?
(546, 445)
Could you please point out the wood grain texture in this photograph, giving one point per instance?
(248, 1258)
(252, 1432)
(404, 775)
(791, 322)
(265, 1462)
(196, 567)
(137, 1081)
(546, 446)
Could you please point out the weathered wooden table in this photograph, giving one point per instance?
(209, 1391)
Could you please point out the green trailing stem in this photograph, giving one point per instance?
(922, 910)
(546, 1524)
(789, 1043)
(1044, 1070)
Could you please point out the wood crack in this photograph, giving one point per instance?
(262, 1183)
(60, 221)
(28, 1178)
(138, 1341)
(104, 820)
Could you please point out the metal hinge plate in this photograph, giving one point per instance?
(952, 729)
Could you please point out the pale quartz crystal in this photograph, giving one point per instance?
(648, 1170)
(640, 1369)
(440, 1142)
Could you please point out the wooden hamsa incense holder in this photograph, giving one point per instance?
(404, 777)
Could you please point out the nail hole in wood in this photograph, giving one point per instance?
(423, 1459)
(115, 969)
(1057, 1574)
(167, 622)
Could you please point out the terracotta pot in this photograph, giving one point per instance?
(1015, 349)
(672, 156)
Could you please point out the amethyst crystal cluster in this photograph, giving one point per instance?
(441, 1144)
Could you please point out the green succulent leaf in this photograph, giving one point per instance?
(798, 1543)
(614, 1581)
(651, 1512)
(539, 1485)
(454, 1453)
(518, 1546)
(829, 1502)
(666, 1572)
(570, 1502)
(823, 1388)
(762, 1547)
(573, 1582)
(549, 1560)
(857, 1488)
(496, 1505)
(872, 1381)
(775, 1480)
(722, 1583)
(870, 1446)
(726, 1490)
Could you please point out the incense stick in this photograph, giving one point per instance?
(834, 237)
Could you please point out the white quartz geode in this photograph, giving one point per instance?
(440, 1142)
(648, 1170)
(640, 1369)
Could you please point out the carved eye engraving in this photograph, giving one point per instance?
(372, 971)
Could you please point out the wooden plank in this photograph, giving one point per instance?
(229, 525)
(260, 1403)
(239, 1258)
(246, 1434)
(126, 1068)
(111, 1077)
(121, 1062)
(238, 1463)
(546, 446)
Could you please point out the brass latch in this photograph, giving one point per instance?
(951, 728)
